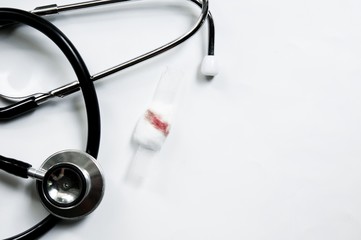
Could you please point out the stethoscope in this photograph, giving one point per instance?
(70, 183)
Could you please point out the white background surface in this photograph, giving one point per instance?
(270, 149)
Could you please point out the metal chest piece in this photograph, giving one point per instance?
(72, 186)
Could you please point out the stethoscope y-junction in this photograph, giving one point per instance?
(70, 183)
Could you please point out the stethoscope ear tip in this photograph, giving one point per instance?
(209, 67)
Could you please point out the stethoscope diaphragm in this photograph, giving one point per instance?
(72, 186)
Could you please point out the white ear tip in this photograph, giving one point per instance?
(209, 66)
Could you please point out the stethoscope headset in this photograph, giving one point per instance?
(70, 183)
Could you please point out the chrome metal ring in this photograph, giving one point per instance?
(73, 185)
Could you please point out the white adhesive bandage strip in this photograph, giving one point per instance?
(154, 125)
(139, 166)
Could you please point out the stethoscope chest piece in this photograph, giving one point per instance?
(72, 185)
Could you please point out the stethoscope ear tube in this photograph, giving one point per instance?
(209, 70)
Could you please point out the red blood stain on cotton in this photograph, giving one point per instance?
(157, 122)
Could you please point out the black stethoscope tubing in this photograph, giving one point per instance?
(86, 85)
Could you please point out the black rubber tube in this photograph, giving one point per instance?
(211, 29)
(87, 87)
(15, 167)
(17, 109)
